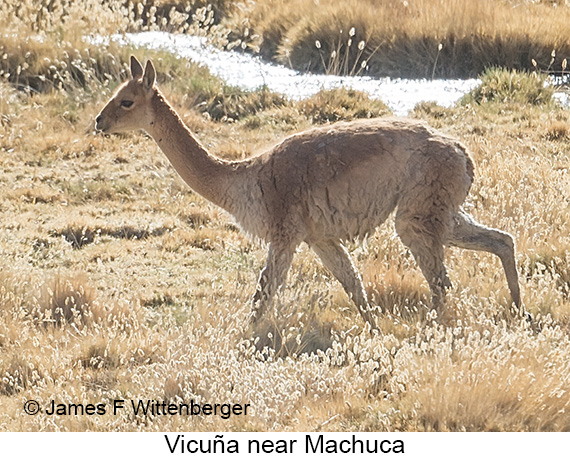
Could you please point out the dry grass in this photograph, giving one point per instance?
(118, 282)
(341, 104)
(412, 38)
(154, 284)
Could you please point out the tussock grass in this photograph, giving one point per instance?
(557, 131)
(68, 300)
(341, 104)
(414, 38)
(512, 86)
(42, 46)
(46, 45)
(235, 104)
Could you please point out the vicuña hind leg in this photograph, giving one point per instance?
(273, 275)
(422, 235)
(469, 234)
(337, 260)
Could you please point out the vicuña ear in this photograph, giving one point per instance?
(149, 75)
(136, 68)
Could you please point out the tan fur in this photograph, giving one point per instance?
(325, 186)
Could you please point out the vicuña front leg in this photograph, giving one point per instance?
(272, 276)
(337, 260)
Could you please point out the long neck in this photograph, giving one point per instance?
(205, 174)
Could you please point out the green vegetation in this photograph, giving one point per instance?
(505, 86)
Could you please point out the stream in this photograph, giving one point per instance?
(249, 72)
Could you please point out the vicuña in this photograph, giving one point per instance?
(325, 186)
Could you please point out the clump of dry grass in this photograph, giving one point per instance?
(469, 380)
(340, 37)
(341, 104)
(557, 131)
(67, 300)
(234, 104)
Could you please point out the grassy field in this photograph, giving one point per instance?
(119, 282)
(406, 38)
(398, 38)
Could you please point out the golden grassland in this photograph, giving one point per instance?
(405, 38)
(118, 282)
(399, 38)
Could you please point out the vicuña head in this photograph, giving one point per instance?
(326, 186)
(130, 108)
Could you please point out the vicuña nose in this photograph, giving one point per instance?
(98, 122)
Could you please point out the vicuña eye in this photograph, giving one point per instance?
(126, 103)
